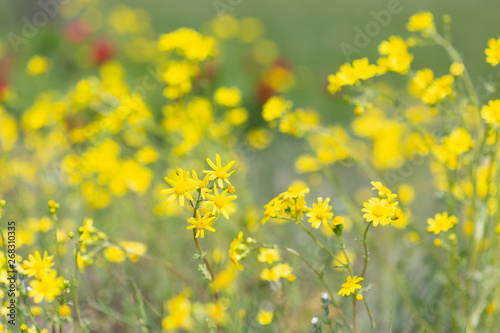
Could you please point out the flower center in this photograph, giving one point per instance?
(180, 188)
(378, 211)
(320, 215)
(220, 202)
(220, 173)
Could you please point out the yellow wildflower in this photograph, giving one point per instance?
(220, 202)
(320, 213)
(491, 112)
(379, 211)
(269, 255)
(229, 97)
(219, 172)
(201, 223)
(37, 264)
(265, 317)
(493, 52)
(181, 187)
(420, 22)
(37, 65)
(441, 222)
(350, 286)
(47, 287)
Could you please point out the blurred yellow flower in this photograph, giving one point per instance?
(441, 222)
(228, 96)
(269, 255)
(421, 21)
(491, 112)
(37, 65)
(47, 286)
(493, 52)
(265, 317)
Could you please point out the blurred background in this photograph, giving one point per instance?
(275, 47)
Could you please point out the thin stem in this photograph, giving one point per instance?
(56, 244)
(354, 315)
(315, 240)
(321, 279)
(366, 249)
(207, 263)
(75, 289)
(372, 321)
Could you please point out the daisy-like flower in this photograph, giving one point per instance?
(201, 184)
(493, 52)
(421, 21)
(384, 192)
(220, 202)
(491, 112)
(379, 211)
(201, 223)
(441, 222)
(296, 191)
(320, 213)
(350, 286)
(37, 264)
(181, 185)
(269, 255)
(47, 287)
(219, 172)
(272, 209)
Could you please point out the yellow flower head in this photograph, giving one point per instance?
(219, 172)
(236, 250)
(229, 97)
(491, 112)
(397, 59)
(188, 43)
(320, 213)
(220, 202)
(47, 287)
(457, 69)
(201, 184)
(265, 317)
(269, 255)
(350, 286)
(274, 108)
(441, 222)
(181, 185)
(421, 21)
(37, 264)
(64, 310)
(379, 211)
(296, 191)
(37, 65)
(384, 192)
(493, 52)
(201, 223)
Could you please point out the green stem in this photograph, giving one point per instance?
(75, 289)
(366, 249)
(314, 239)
